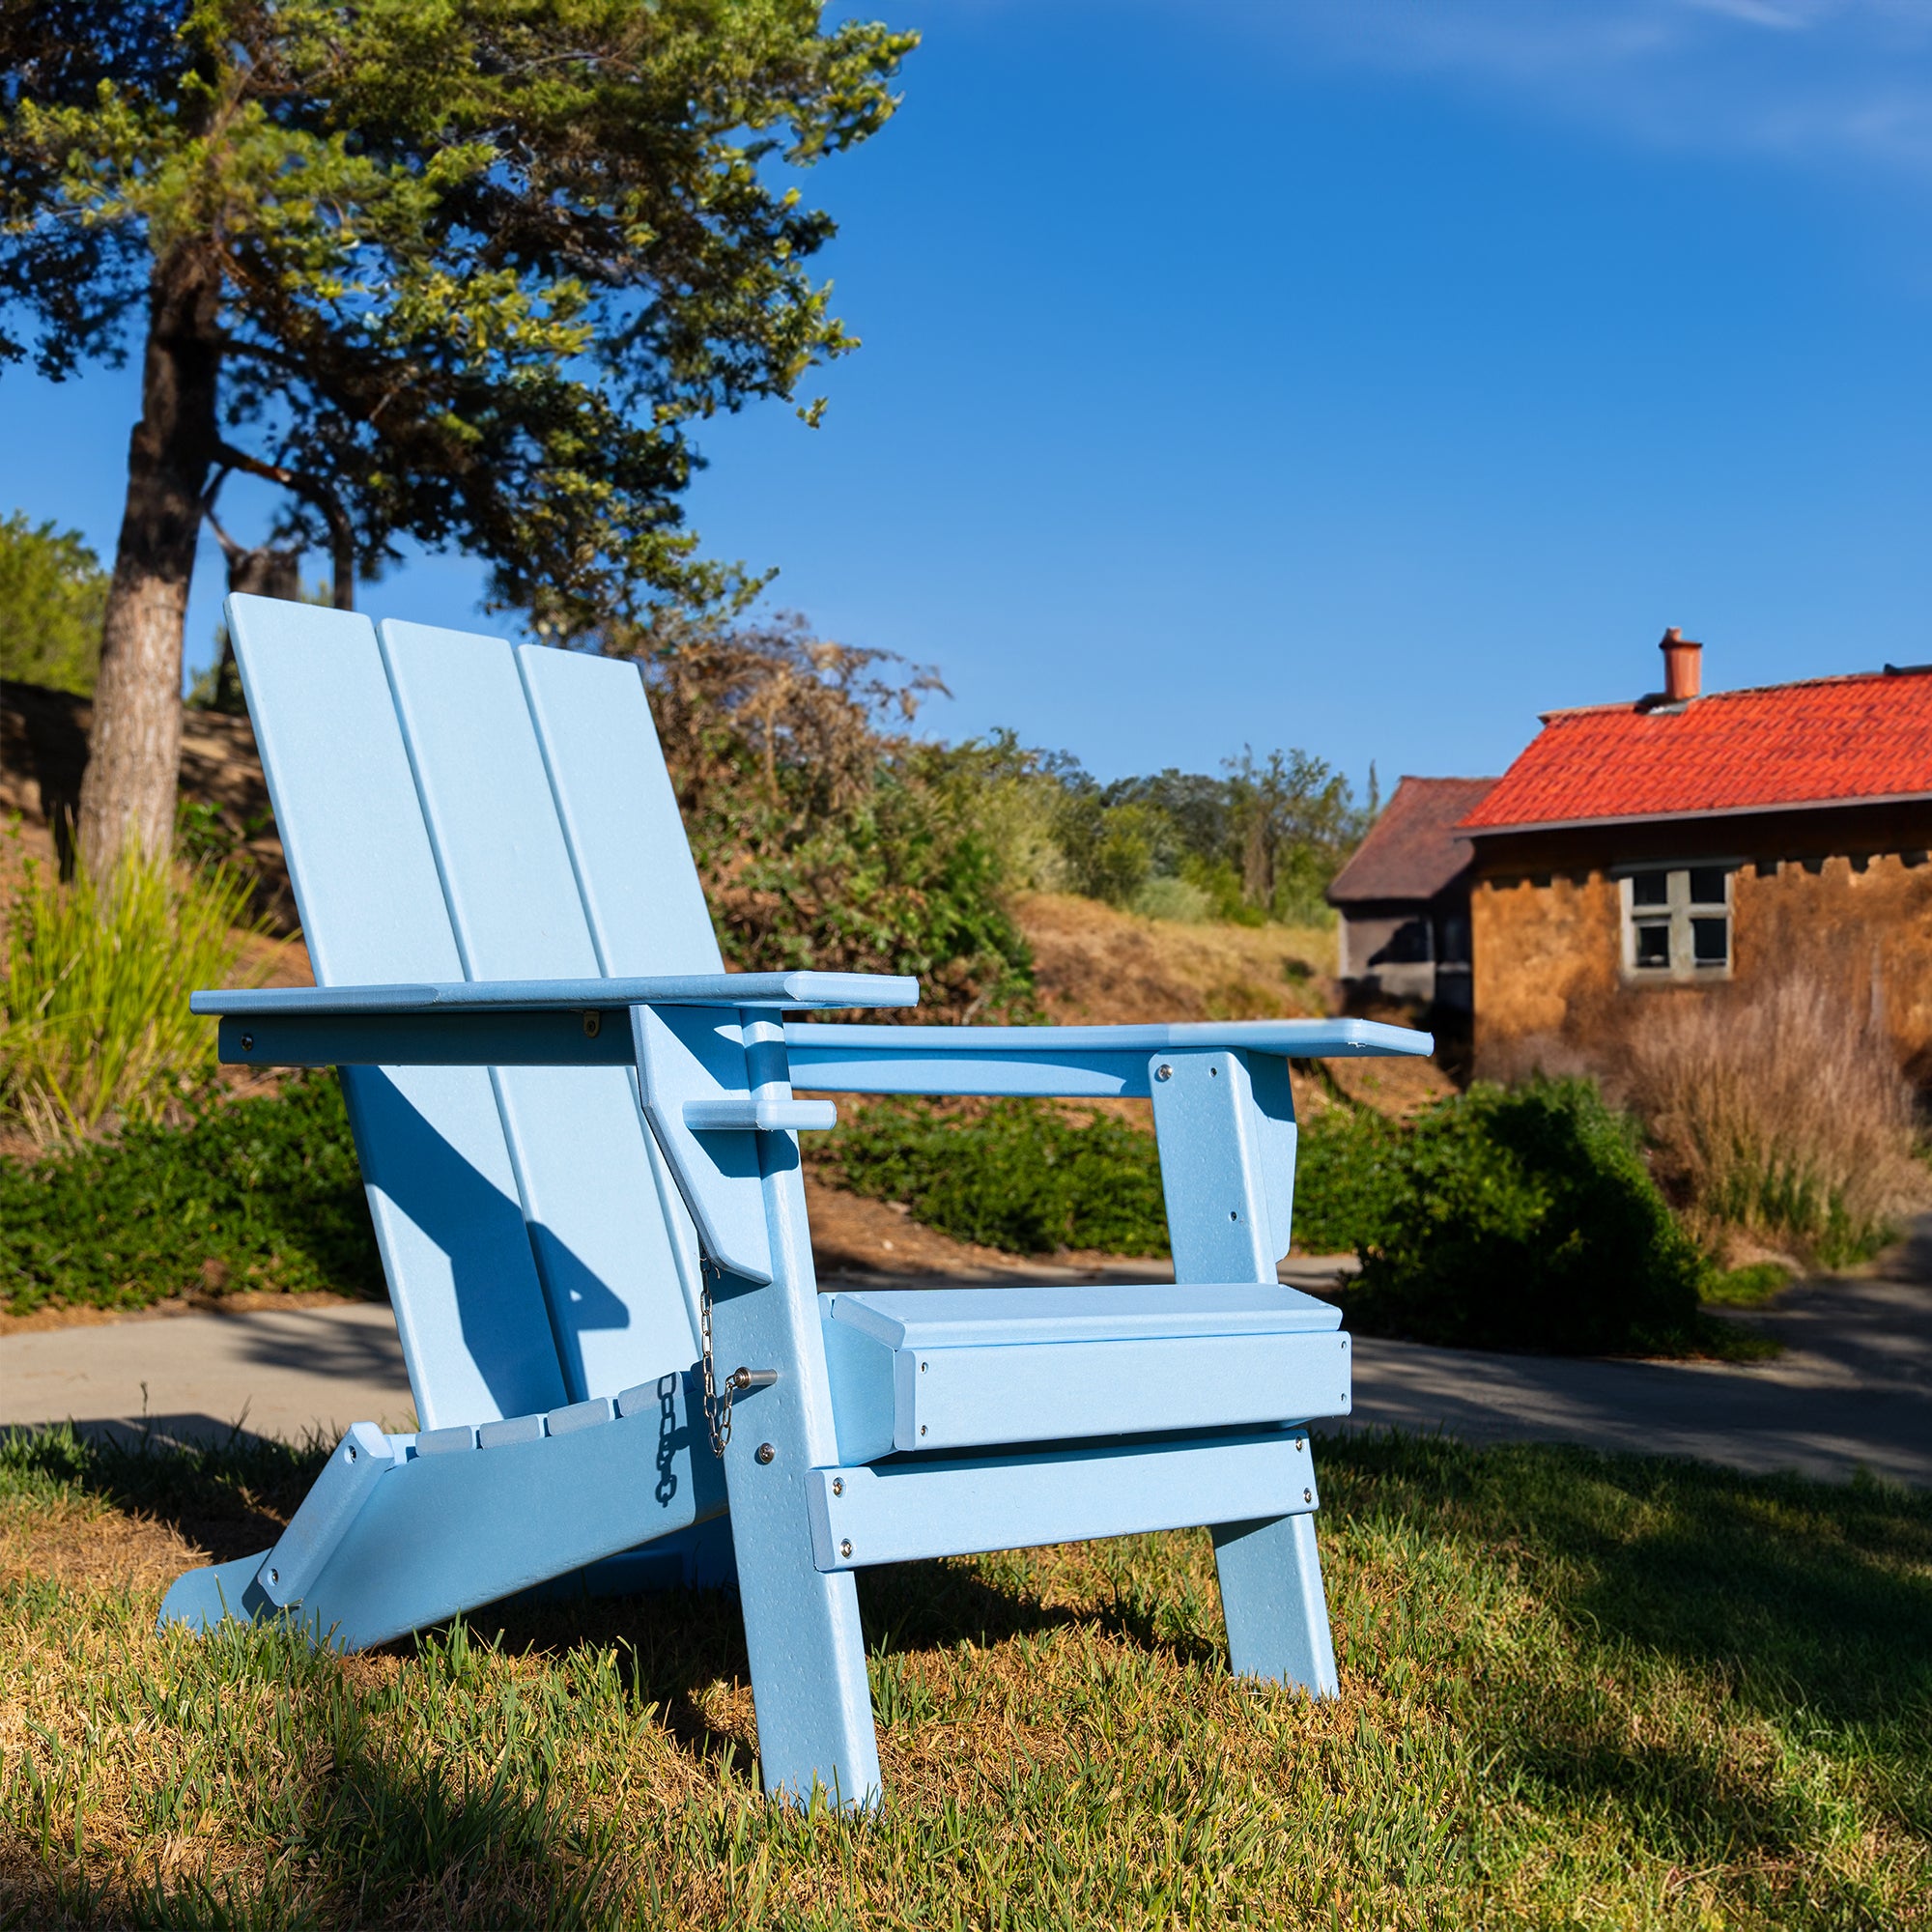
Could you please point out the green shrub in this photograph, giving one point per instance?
(96, 1018)
(1017, 1174)
(258, 1193)
(825, 836)
(1749, 1287)
(1522, 1219)
(1344, 1174)
(53, 595)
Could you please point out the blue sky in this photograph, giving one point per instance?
(1363, 375)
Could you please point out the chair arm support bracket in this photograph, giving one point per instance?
(764, 1116)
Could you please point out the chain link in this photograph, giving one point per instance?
(717, 1407)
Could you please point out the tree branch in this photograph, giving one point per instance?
(342, 533)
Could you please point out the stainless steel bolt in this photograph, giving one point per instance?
(247, 1042)
(766, 1452)
(1163, 1072)
(838, 1486)
(1308, 1495)
(845, 1548)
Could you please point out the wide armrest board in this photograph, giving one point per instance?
(1076, 1062)
(784, 990)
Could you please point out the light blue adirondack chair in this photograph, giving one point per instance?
(580, 1144)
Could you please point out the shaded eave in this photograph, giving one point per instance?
(1766, 809)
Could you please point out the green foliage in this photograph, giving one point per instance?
(258, 1193)
(1017, 1174)
(96, 1018)
(1113, 850)
(1348, 1168)
(1260, 843)
(1508, 1219)
(1514, 1220)
(53, 595)
(464, 273)
(1749, 1287)
(824, 838)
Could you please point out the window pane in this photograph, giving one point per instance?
(1707, 885)
(1711, 942)
(1650, 889)
(1653, 944)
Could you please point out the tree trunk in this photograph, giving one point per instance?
(129, 793)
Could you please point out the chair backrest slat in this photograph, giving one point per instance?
(619, 1291)
(640, 889)
(469, 1308)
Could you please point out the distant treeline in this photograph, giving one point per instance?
(828, 834)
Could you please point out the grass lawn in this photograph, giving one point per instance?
(1577, 1690)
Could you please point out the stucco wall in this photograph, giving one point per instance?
(1548, 952)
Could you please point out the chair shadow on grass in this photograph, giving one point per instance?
(231, 1494)
(678, 1644)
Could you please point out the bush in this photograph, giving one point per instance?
(1346, 1170)
(258, 1193)
(825, 837)
(1522, 1219)
(53, 596)
(96, 1018)
(1016, 1174)
(1783, 1113)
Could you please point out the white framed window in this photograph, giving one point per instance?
(1677, 921)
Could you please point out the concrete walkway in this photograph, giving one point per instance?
(1853, 1390)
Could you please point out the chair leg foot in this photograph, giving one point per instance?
(217, 1593)
(1276, 1610)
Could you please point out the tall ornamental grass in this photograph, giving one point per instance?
(95, 1021)
(1784, 1114)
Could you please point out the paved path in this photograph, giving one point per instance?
(1853, 1390)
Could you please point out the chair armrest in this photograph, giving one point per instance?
(1077, 1062)
(504, 1022)
(785, 990)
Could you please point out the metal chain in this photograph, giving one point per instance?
(717, 1407)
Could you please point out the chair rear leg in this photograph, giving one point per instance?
(1271, 1594)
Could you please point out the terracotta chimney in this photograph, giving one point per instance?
(1683, 667)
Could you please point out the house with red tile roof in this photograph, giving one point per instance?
(1691, 845)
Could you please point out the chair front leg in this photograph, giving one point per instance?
(1226, 1130)
(801, 1632)
(1272, 1598)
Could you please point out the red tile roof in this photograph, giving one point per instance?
(1827, 741)
(1411, 851)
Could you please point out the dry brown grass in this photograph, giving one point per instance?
(1577, 1689)
(1096, 964)
(1783, 1113)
